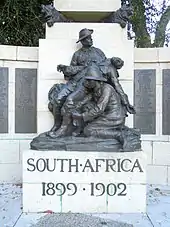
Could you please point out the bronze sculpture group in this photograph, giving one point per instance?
(92, 103)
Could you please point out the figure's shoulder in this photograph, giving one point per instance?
(107, 87)
(77, 52)
(97, 49)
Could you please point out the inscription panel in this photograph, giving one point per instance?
(3, 100)
(26, 101)
(145, 100)
(166, 102)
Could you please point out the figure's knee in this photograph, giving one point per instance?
(87, 131)
(67, 106)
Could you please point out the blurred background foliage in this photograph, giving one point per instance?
(21, 23)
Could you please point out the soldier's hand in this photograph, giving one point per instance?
(131, 109)
(61, 68)
(76, 115)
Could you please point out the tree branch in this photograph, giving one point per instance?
(161, 28)
(139, 24)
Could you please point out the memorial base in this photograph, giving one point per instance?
(84, 182)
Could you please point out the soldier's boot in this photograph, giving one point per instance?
(62, 131)
(57, 115)
(79, 127)
(57, 122)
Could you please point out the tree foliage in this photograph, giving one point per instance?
(149, 22)
(21, 24)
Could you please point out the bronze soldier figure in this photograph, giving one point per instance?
(87, 57)
(106, 117)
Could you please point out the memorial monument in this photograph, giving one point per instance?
(92, 104)
(86, 146)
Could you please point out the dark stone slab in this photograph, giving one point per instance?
(3, 100)
(145, 100)
(166, 102)
(26, 101)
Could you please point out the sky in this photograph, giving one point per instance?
(158, 4)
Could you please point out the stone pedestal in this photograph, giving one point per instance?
(84, 182)
(87, 10)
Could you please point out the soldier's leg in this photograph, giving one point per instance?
(59, 100)
(71, 101)
(66, 111)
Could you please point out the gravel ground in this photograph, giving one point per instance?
(77, 220)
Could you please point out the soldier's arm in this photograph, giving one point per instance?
(74, 60)
(101, 53)
(119, 90)
(74, 68)
(100, 106)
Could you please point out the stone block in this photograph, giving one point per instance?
(87, 5)
(27, 53)
(1, 63)
(20, 64)
(11, 125)
(159, 99)
(8, 52)
(156, 138)
(104, 32)
(157, 174)
(145, 101)
(163, 54)
(146, 55)
(86, 176)
(45, 121)
(166, 102)
(128, 175)
(147, 147)
(26, 101)
(135, 201)
(10, 173)
(23, 145)
(128, 86)
(11, 98)
(9, 153)
(168, 175)
(161, 153)
(4, 100)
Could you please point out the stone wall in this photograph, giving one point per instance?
(18, 125)
(155, 64)
(18, 74)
